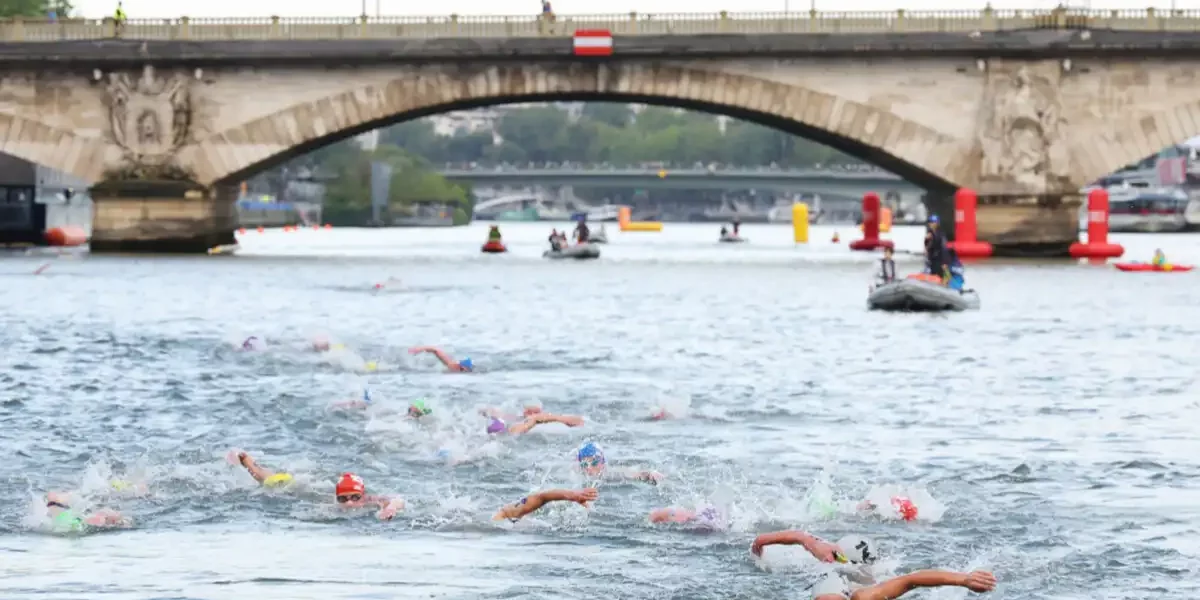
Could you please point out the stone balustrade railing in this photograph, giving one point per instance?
(453, 26)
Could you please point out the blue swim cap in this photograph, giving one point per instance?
(590, 450)
(467, 364)
(933, 218)
(366, 395)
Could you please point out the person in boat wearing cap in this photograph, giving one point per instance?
(351, 492)
(496, 425)
(935, 250)
(853, 581)
(64, 519)
(593, 464)
(455, 366)
(517, 510)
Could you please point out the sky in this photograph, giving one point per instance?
(329, 8)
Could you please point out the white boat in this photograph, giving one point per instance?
(577, 252)
(914, 295)
(730, 238)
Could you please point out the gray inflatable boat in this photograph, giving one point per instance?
(914, 295)
(578, 252)
(729, 238)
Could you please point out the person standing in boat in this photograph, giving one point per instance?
(935, 250)
(494, 234)
(581, 232)
(736, 226)
(887, 266)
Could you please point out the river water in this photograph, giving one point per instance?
(1054, 429)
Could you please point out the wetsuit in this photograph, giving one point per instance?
(935, 253)
(887, 270)
(554, 242)
(581, 232)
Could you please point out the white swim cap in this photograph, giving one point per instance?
(858, 549)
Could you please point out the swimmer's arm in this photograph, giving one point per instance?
(442, 356)
(535, 501)
(258, 473)
(614, 474)
(388, 506)
(814, 545)
(539, 418)
(978, 581)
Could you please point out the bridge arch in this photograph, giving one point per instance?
(62, 150)
(1134, 140)
(914, 152)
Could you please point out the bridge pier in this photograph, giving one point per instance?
(172, 217)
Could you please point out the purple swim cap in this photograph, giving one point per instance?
(496, 426)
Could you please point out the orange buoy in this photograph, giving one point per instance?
(241, 231)
(328, 226)
(66, 236)
(260, 229)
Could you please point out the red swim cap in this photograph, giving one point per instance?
(350, 484)
(906, 508)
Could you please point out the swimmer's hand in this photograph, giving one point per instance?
(651, 477)
(389, 511)
(979, 581)
(582, 497)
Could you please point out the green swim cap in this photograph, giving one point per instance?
(67, 522)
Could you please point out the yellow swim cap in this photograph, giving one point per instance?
(372, 365)
(118, 485)
(277, 480)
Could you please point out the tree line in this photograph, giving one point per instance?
(35, 9)
(599, 133)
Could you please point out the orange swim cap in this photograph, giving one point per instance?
(350, 484)
(906, 508)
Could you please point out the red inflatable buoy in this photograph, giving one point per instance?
(66, 236)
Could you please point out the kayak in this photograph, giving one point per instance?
(224, 249)
(1140, 267)
(578, 252)
(916, 295)
(729, 238)
(493, 247)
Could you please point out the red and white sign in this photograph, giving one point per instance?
(1172, 171)
(593, 42)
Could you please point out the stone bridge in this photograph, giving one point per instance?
(165, 129)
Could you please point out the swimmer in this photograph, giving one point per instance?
(515, 511)
(252, 343)
(266, 477)
(351, 492)
(902, 506)
(64, 519)
(836, 587)
(706, 517)
(418, 409)
(460, 366)
(496, 425)
(850, 549)
(495, 413)
(593, 464)
(364, 402)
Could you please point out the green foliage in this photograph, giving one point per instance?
(34, 9)
(413, 181)
(614, 134)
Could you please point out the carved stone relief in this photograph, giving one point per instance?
(1021, 130)
(150, 119)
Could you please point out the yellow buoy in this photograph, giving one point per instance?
(800, 223)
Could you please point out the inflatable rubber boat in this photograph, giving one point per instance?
(1148, 267)
(918, 295)
(578, 252)
(730, 238)
(493, 247)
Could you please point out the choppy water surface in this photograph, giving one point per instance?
(1056, 425)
